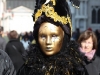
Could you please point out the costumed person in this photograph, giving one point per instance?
(53, 53)
(88, 46)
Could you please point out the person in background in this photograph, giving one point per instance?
(25, 41)
(88, 47)
(75, 34)
(2, 40)
(30, 36)
(97, 33)
(6, 65)
(5, 36)
(15, 50)
(53, 53)
(89, 29)
(98, 49)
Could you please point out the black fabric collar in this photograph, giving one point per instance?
(67, 60)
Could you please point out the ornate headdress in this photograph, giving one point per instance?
(57, 10)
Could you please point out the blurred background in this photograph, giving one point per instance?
(17, 15)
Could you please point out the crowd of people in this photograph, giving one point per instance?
(52, 48)
(13, 49)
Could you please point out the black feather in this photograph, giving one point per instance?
(62, 8)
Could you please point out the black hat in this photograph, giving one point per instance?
(54, 11)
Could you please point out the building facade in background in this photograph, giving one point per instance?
(19, 19)
(94, 14)
(18, 16)
(87, 16)
(11, 4)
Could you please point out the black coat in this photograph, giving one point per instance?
(15, 53)
(6, 65)
(98, 49)
(93, 67)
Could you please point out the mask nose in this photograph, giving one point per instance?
(48, 41)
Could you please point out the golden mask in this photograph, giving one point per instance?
(50, 38)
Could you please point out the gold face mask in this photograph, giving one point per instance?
(50, 38)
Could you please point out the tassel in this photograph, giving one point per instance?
(75, 3)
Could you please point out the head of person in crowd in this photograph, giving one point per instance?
(13, 34)
(25, 37)
(1, 30)
(88, 43)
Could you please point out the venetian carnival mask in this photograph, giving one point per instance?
(50, 38)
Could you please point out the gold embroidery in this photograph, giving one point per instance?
(49, 12)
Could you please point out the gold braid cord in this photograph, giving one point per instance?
(50, 12)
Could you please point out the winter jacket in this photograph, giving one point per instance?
(6, 65)
(93, 67)
(16, 52)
